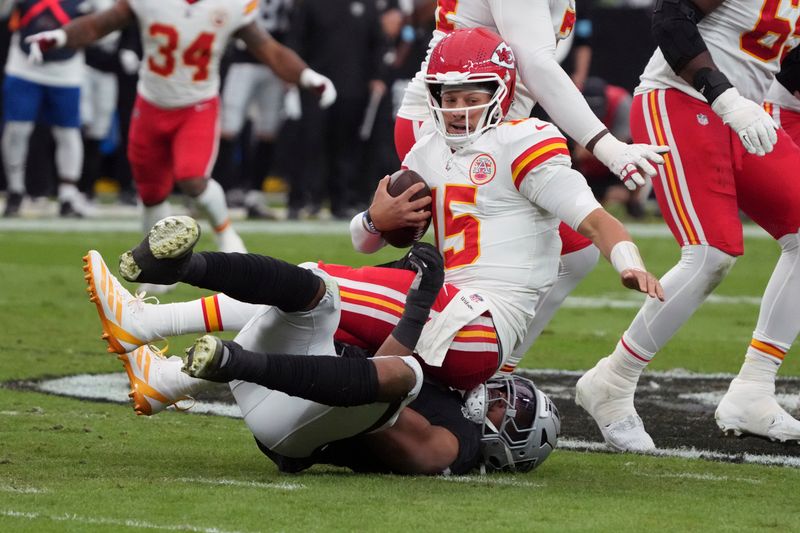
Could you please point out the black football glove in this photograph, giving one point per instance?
(428, 263)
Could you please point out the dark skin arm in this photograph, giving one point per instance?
(414, 446)
(83, 31)
(283, 61)
(702, 60)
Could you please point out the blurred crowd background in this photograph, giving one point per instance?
(280, 156)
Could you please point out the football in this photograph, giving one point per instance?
(399, 182)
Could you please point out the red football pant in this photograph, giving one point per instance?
(166, 145)
(708, 176)
(405, 135)
(787, 119)
(372, 303)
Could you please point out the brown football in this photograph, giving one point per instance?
(400, 181)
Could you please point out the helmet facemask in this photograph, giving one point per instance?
(491, 113)
(529, 428)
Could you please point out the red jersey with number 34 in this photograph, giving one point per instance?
(747, 39)
(183, 43)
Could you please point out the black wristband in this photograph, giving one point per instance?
(409, 328)
(710, 83)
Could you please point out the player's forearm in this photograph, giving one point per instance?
(83, 31)
(283, 61)
(604, 230)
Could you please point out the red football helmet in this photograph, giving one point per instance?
(474, 57)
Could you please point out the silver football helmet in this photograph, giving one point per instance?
(528, 431)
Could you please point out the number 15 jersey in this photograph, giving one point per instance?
(183, 43)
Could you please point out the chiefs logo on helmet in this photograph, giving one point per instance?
(503, 56)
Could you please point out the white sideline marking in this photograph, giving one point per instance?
(330, 227)
(22, 490)
(699, 477)
(236, 483)
(688, 453)
(486, 480)
(111, 522)
(634, 301)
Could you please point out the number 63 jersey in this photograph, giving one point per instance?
(490, 225)
(183, 43)
(747, 40)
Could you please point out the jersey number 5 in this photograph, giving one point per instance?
(197, 55)
(465, 225)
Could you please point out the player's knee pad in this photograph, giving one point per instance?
(709, 264)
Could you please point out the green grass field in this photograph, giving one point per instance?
(72, 465)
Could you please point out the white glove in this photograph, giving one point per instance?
(321, 85)
(755, 127)
(630, 162)
(43, 41)
(292, 107)
(129, 61)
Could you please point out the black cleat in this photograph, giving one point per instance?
(163, 255)
(13, 204)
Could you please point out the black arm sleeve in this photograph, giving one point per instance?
(675, 31)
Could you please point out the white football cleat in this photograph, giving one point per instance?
(121, 313)
(152, 288)
(750, 407)
(156, 381)
(608, 398)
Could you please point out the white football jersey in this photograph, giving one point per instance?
(494, 237)
(780, 96)
(457, 14)
(747, 40)
(183, 43)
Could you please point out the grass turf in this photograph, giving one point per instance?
(71, 465)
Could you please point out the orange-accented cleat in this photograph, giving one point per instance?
(120, 312)
(156, 381)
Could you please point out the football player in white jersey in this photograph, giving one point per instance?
(50, 88)
(533, 29)
(174, 131)
(700, 94)
(499, 190)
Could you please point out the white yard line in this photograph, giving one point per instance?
(21, 490)
(688, 453)
(103, 521)
(133, 224)
(236, 483)
(490, 480)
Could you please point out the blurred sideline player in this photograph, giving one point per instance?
(700, 94)
(478, 320)
(49, 89)
(308, 401)
(249, 83)
(533, 29)
(174, 129)
(98, 101)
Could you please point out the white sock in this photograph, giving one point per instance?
(154, 213)
(212, 202)
(69, 156)
(212, 313)
(572, 268)
(628, 359)
(16, 136)
(777, 326)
